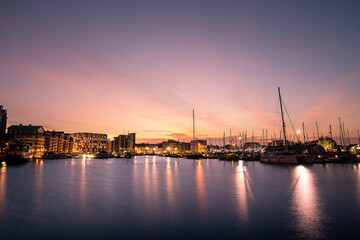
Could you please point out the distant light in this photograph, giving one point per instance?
(298, 131)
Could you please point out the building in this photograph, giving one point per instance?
(32, 136)
(172, 146)
(89, 142)
(56, 141)
(3, 120)
(147, 148)
(124, 143)
(198, 146)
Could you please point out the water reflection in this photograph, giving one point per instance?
(38, 183)
(83, 189)
(305, 204)
(170, 186)
(243, 191)
(200, 189)
(2, 190)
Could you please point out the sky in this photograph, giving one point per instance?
(143, 66)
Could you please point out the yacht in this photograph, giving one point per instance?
(285, 157)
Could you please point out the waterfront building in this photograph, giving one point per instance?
(172, 146)
(89, 142)
(3, 121)
(198, 146)
(147, 148)
(68, 143)
(57, 141)
(32, 136)
(124, 143)
(109, 147)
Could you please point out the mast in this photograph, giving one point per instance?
(230, 140)
(317, 129)
(282, 117)
(340, 131)
(303, 126)
(267, 140)
(193, 125)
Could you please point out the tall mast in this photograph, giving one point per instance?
(317, 129)
(193, 125)
(340, 131)
(303, 125)
(224, 141)
(330, 131)
(230, 140)
(282, 117)
(267, 140)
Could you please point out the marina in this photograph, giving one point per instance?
(185, 120)
(161, 197)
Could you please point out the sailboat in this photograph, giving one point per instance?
(284, 157)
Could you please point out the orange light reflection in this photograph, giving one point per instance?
(306, 204)
(243, 191)
(200, 189)
(2, 190)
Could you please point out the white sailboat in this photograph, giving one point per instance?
(284, 157)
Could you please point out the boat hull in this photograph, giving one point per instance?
(286, 159)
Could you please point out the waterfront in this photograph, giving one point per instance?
(155, 197)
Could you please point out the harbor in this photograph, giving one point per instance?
(177, 198)
(23, 143)
(189, 120)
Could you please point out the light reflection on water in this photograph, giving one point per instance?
(2, 191)
(200, 189)
(38, 183)
(155, 197)
(306, 205)
(243, 192)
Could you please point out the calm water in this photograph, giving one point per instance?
(165, 198)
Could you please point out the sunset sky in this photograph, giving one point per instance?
(142, 66)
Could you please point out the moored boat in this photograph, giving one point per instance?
(104, 155)
(285, 157)
(125, 155)
(279, 157)
(55, 155)
(18, 154)
(228, 157)
(193, 156)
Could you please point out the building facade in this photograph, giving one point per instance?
(172, 146)
(89, 142)
(3, 121)
(147, 148)
(124, 143)
(198, 146)
(32, 136)
(56, 141)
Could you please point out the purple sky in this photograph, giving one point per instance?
(110, 66)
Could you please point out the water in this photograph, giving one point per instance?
(165, 198)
